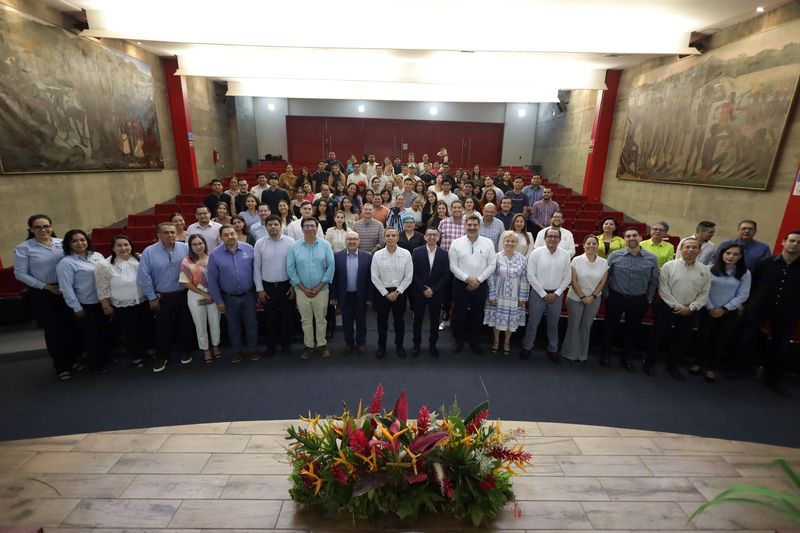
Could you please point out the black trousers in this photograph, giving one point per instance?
(677, 338)
(55, 317)
(782, 328)
(278, 313)
(382, 307)
(135, 323)
(354, 313)
(173, 321)
(96, 333)
(716, 336)
(634, 309)
(469, 306)
(421, 304)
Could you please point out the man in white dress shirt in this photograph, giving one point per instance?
(205, 227)
(392, 273)
(295, 228)
(549, 273)
(567, 242)
(447, 195)
(472, 261)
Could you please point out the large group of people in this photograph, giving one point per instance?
(462, 247)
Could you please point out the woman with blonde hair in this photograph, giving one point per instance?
(508, 293)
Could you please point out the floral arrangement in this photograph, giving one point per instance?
(377, 463)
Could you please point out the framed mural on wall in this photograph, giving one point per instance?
(714, 120)
(70, 104)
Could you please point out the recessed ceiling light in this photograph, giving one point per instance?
(271, 106)
(361, 109)
(434, 111)
(760, 9)
(138, 42)
(521, 112)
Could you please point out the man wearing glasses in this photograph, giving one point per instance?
(658, 245)
(754, 251)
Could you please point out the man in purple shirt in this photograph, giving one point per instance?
(230, 282)
(542, 211)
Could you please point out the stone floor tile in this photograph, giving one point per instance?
(768, 450)
(638, 515)
(689, 466)
(544, 465)
(539, 446)
(69, 463)
(61, 443)
(67, 486)
(10, 460)
(266, 487)
(710, 487)
(122, 513)
(125, 442)
(213, 428)
(543, 515)
(120, 530)
(737, 516)
(260, 427)
(753, 466)
(206, 443)
(124, 431)
(617, 446)
(650, 489)
(603, 465)
(696, 446)
(183, 486)
(161, 463)
(626, 432)
(530, 429)
(559, 489)
(248, 463)
(558, 429)
(227, 514)
(35, 512)
(266, 444)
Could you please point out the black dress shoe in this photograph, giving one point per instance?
(604, 362)
(415, 351)
(676, 374)
(554, 357)
(778, 387)
(476, 348)
(650, 369)
(381, 353)
(457, 347)
(627, 365)
(524, 354)
(361, 349)
(349, 348)
(401, 352)
(434, 351)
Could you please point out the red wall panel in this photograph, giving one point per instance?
(305, 140)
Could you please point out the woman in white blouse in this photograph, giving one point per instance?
(336, 233)
(519, 226)
(122, 300)
(589, 275)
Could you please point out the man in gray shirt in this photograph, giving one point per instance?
(632, 283)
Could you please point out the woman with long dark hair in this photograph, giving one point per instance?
(441, 213)
(76, 280)
(347, 206)
(122, 300)
(730, 288)
(180, 226)
(609, 241)
(589, 276)
(205, 315)
(323, 214)
(35, 261)
(429, 208)
(489, 197)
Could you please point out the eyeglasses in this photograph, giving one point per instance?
(37, 228)
(309, 226)
(553, 237)
(658, 229)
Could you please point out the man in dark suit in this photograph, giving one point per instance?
(349, 290)
(431, 279)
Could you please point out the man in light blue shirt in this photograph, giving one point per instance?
(310, 267)
(159, 269)
(259, 229)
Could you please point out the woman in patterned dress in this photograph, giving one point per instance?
(508, 293)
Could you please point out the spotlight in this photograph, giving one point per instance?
(271, 106)
(521, 112)
(434, 111)
(361, 109)
(760, 9)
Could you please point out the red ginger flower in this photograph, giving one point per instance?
(505, 454)
(423, 420)
(487, 483)
(375, 406)
(475, 424)
(338, 474)
(401, 407)
(359, 442)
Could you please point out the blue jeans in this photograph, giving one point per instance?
(537, 308)
(241, 310)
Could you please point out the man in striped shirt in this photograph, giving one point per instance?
(452, 228)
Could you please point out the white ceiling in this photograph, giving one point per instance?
(442, 50)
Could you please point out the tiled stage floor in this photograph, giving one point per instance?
(232, 476)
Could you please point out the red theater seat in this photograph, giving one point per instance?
(141, 220)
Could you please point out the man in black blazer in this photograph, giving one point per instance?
(431, 279)
(349, 290)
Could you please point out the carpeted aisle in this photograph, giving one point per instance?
(35, 404)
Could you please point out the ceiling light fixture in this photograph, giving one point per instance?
(271, 106)
(521, 112)
(760, 9)
(361, 109)
(434, 111)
